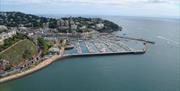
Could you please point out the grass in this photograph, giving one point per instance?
(10, 41)
(23, 50)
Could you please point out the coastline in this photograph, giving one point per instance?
(31, 70)
(50, 60)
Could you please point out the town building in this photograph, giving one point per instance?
(73, 27)
(83, 27)
(3, 64)
(100, 26)
(66, 23)
(6, 35)
(54, 50)
(60, 23)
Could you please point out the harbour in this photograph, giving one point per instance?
(156, 70)
(82, 47)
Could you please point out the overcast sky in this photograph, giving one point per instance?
(149, 8)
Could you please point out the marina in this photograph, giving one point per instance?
(104, 44)
(107, 62)
(98, 44)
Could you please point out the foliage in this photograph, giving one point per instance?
(44, 45)
(10, 41)
(17, 19)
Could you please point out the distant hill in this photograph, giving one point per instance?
(18, 19)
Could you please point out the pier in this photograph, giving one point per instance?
(107, 53)
(147, 41)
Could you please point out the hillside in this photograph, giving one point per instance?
(24, 49)
(18, 19)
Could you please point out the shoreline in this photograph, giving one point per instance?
(31, 70)
(52, 59)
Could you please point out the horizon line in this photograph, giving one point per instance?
(107, 15)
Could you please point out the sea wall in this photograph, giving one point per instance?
(50, 60)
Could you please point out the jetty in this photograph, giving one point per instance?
(106, 53)
(147, 41)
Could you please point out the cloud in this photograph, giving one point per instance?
(99, 3)
(156, 7)
(120, 2)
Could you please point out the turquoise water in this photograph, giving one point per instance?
(157, 70)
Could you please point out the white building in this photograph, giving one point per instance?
(54, 50)
(73, 27)
(100, 26)
(30, 34)
(83, 27)
(6, 35)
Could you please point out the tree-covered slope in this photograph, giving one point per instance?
(17, 19)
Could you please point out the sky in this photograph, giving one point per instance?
(146, 8)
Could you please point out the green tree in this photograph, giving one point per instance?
(43, 45)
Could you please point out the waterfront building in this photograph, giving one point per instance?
(53, 50)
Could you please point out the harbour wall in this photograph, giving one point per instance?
(58, 57)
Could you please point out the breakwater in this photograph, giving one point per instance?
(107, 53)
(147, 41)
(55, 57)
